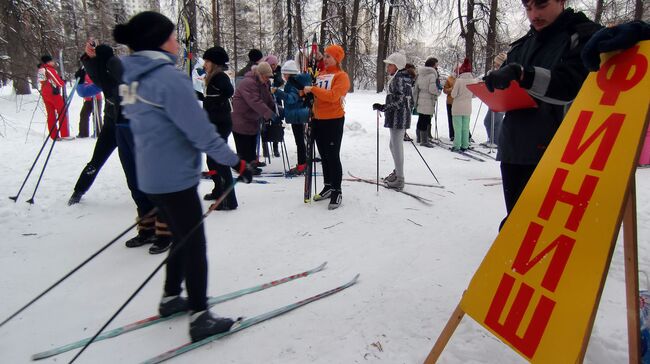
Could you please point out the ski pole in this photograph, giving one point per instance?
(15, 198)
(32, 118)
(377, 151)
(425, 162)
(47, 159)
(491, 130)
(476, 119)
(173, 251)
(151, 213)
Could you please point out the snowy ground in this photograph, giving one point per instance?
(415, 260)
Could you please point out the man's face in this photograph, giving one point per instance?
(544, 14)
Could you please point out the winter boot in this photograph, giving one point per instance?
(424, 139)
(170, 305)
(298, 170)
(336, 197)
(160, 244)
(324, 193)
(407, 138)
(203, 324)
(397, 184)
(210, 196)
(391, 177)
(75, 198)
(146, 228)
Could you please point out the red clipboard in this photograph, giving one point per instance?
(512, 98)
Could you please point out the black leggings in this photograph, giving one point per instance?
(223, 178)
(104, 147)
(328, 135)
(246, 145)
(299, 137)
(424, 122)
(182, 211)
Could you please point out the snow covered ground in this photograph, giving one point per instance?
(415, 260)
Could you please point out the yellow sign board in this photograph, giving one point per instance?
(541, 280)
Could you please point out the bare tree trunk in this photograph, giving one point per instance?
(299, 22)
(289, 33)
(234, 34)
(471, 31)
(380, 46)
(85, 18)
(598, 15)
(323, 23)
(638, 10)
(13, 28)
(259, 21)
(354, 33)
(491, 40)
(343, 19)
(216, 23)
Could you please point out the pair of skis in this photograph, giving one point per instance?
(421, 199)
(239, 326)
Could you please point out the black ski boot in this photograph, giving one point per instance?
(203, 324)
(160, 244)
(170, 305)
(335, 199)
(75, 198)
(324, 194)
(143, 237)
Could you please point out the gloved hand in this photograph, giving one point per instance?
(501, 78)
(622, 36)
(378, 106)
(80, 75)
(295, 83)
(245, 171)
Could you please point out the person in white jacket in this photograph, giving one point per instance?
(425, 96)
(461, 109)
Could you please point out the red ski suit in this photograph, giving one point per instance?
(54, 104)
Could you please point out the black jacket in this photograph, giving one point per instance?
(553, 75)
(216, 102)
(107, 74)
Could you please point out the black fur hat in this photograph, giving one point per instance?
(147, 30)
(216, 55)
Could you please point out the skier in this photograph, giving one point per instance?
(425, 96)
(89, 93)
(170, 132)
(105, 69)
(493, 119)
(216, 101)
(252, 102)
(399, 102)
(329, 93)
(277, 131)
(254, 57)
(461, 108)
(296, 112)
(553, 75)
(51, 86)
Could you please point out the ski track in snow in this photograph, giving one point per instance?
(412, 277)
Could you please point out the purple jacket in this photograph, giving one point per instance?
(251, 102)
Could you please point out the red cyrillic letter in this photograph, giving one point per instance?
(578, 201)
(609, 129)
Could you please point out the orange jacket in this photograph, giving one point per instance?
(329, 92)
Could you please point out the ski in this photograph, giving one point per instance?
(244, 324)
(156, 319)
(406, 183)
(473, 150)
(421, 199)
(446, 146)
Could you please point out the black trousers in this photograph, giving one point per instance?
(84, 116)
(450, 122)
(328, 135)
(245, 145)
(104, 147)
(424, 122)
(514, 177)
(223, 178)
(182, 211)
(126, 149)
(299, 137)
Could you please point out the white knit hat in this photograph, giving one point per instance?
(290, 68)
(398, 59)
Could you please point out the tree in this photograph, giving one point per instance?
(491, 42)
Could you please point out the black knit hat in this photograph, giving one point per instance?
(104, 52)
(216, 55)
(45, 58)
(254, 55)
(147, 30)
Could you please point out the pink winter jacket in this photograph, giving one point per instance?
(252, 101)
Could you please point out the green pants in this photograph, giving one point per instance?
(461, 131)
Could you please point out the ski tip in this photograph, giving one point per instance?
(355, 279)
(322, 266)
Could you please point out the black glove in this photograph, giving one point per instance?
(611, 39)
(295, 83)
(501, 78)
(378, 106)
(245, 171)
(80, 75)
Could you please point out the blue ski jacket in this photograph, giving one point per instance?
(295, 111)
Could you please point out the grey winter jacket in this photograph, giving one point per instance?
(252, 102)
(399, 101)
(170, 130)
(462, 104)
(425, 90)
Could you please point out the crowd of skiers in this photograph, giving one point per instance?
(152, 117)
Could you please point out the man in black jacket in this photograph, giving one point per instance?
(546, 62)
(105, 69)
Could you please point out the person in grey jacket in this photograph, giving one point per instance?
(461, 108)
(425, 96)
(170, 131)
(397, 110)
(252, 102)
